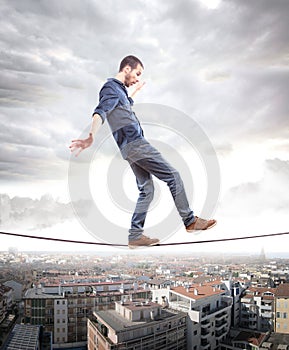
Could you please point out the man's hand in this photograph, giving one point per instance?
(80, 145)
(137, 87)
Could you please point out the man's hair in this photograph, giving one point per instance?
(130, 61)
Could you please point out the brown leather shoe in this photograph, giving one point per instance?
(143, 241)
(200, 224)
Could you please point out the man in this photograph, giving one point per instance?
(115, 106)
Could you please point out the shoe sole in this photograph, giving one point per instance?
(142, 246)
(214, 224)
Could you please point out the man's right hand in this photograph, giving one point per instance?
(79, 145)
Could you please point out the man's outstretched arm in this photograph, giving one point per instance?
(79, 145)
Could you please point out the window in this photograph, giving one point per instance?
(284, 314)
(278, 314)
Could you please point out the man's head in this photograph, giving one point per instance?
(131, 68)
(131, 61)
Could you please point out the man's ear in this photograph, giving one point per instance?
(127, 69)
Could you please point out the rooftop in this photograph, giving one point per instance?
(37, 293)
(282, 290)
(198, 291)
(252, 337)
(277, 339)
(119, 323)
(24, 337)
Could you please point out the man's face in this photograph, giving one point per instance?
(132, 76)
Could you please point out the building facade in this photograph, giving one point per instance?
(63, 309)
(282, 309)
(6, 301)
(208, 307)
(257, 309)
(137, 325)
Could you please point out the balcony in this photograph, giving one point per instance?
(220, 324)
(221, 332)
(266, 308)
(205, 333)
(205, 323)
(180, 306)
(221, 315)
(225, 305)
(205, 343)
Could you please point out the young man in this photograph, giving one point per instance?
(115, 106)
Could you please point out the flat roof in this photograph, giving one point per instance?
(24, 337)
(139, 305)
(277, 339)
(33, 293)
(117, 322)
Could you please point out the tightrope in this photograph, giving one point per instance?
(157, 245)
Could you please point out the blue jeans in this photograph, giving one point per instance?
(151, 163)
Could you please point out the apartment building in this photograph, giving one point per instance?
(64, 309)
(17, 289)
(257, 309)
(282, 309)
(208, 306)
(137, 325)
(236, 289)
(6, 301)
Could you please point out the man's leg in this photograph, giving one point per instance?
(146, 194)
(150, 162)
(157, 166)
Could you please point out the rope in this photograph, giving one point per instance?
(160, 244)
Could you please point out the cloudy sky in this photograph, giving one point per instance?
(223, 63)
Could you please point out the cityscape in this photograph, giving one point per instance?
(52, 300)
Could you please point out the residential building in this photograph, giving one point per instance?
(276, 341)
(6, 301)
(244, 339)
(236, 289)
(63, 309)
(208, 306)
(257, 309)
(17, 289)
(282, 309)
(137, 324)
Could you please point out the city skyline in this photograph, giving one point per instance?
(224, 64)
